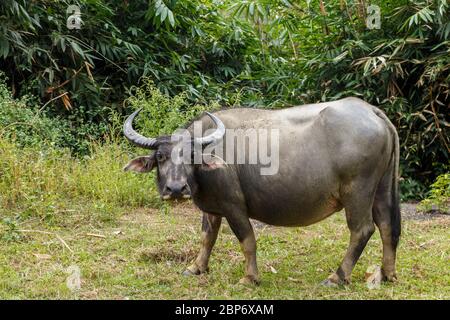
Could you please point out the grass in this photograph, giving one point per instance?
(41, 180)
(58, 211)
(140, 253)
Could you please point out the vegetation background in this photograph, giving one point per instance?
(264, 53)
(64, 94)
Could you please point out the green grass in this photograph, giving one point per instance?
(58, 211)
(40, 181)
(140, 253)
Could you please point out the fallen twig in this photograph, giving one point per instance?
(96, 235)
(51, 233)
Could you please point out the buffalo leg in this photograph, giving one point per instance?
(360, 223)
(210, 230)
(381, 215)
(243, 230)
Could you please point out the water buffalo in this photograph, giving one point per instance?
(332, 155)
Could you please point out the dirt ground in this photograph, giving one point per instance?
(409, 212)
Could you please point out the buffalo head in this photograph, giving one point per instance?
(175, 179)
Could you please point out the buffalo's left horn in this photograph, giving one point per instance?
(136, 138)
(216, 135)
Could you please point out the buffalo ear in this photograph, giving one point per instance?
(141, 164)
(213, 163)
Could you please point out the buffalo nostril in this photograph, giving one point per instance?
(168, 189)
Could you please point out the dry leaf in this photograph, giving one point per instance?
(66, 102)
(88, 70)
(273, 269)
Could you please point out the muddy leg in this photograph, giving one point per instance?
(381, 215)
(243, 230)
(360, 223)
(210, 229)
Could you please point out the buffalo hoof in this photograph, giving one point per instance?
(193, 270)
(250, 280)
(389, 277)
(329, 283)
(188, 272)
(334, 281)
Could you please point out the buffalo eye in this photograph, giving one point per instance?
(160, 157)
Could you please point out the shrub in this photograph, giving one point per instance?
(27, 124)
(186, 46)
(161, 113)
(22, 121)
(439, 195)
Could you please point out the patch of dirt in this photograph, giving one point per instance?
(192, 215)
(409, 212)
(185, 209)
(168, 254)
(258, 225)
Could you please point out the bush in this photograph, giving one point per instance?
(27, 124)
(161, 113)
(186, 46)
(439, 195)
(21, 121)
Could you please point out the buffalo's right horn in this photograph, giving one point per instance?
(136, 138)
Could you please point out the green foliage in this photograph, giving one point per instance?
(439, 195)
(36, 182)
(412, 189)
(322, 53)
(264, 53)
(161, 113)
(84, 75)
(185, 46)
(27, 126)
(22, 121)
(11, 234)
(38, 177)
